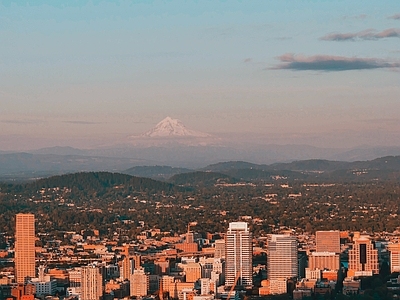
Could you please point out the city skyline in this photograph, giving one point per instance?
(287, 252)
(87, 74)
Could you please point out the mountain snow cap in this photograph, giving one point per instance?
(172, 127)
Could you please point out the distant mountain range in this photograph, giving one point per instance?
(384, 168)
(171, 148)
(180, 159)
(26, 166)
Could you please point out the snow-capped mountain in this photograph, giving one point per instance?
(171, 132)
(172, 128)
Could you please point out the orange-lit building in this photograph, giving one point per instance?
(273, 287)
(394, 257)
(23, 292)
(187, 247)
(139, 283)
(324, 260)
(91, 283)
(24, 247)
(330, 275)
(363, 258)
(328, 241)
(192, 271)
(174, 287)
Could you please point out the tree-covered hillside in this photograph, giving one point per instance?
(116, 203)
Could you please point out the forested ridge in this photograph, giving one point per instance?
(105, 201)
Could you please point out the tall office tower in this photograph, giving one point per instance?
(91, 283)
(282, 257)
(24, 247)
(328, 241)
(363, 258)
(139, 283)
(238, 255)
(394, 257)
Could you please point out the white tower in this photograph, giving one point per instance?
(238, 248)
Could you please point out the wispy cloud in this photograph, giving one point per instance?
(82, 122)
(330, 63)
(368, 34)
(21, 122)
(395, 17)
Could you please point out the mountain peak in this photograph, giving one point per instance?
(170, 127)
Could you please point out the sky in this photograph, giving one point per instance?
(88, 73)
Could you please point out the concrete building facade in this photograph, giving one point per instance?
(238, 255)
(363, 258)
(324, 260)
(282, 257)
(328, 241)
(91, 283)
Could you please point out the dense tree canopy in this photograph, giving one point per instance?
(106, 201)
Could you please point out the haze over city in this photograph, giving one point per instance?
(91, 73)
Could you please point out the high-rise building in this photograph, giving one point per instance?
(91, 283)
(24, 247)
(394, 257)
(127, 267)
(139, 283)
(238, 255)
(328, 241)
(282, 257)
(363, 258)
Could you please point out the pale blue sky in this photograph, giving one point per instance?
(87, 73)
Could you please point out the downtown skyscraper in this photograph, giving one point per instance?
(91, 283)
(239, 251)
(282, 257)
(363, 258)
(24, 247)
